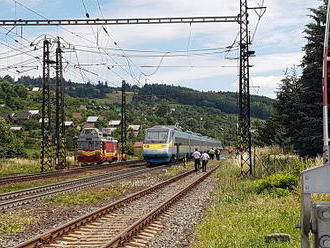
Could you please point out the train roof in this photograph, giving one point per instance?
(165, 127)
(190, 133)
(93, 134)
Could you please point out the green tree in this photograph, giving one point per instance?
(297, 117)
(308, 139)
(10, 145)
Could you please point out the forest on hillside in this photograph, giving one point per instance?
(147, 108)
(225, 102)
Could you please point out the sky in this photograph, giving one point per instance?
(181, 54)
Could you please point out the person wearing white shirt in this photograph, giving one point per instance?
(197, 156)
(205, 158)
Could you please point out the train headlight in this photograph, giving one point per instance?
(146, 146)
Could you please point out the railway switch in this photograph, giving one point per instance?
(315, 216)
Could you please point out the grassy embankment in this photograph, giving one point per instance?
(24, 166)
(244, 211)
(18, 165)
(16, 221)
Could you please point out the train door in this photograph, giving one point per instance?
(103, 147)
(177, 152)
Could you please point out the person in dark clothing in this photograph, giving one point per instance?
(217, 154)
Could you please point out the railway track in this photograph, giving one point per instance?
(26, 196)
(52, 174)
(129, 222)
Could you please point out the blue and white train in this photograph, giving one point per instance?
(164, 144)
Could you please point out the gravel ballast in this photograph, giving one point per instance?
(178, 228)
(54, 215)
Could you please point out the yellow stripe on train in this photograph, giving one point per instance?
(87, 154)
(156, 146)
(82, 153)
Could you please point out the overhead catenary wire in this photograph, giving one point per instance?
(162, 51)
(167, 54)
(163, 66)
(42, 16)
(125, 52)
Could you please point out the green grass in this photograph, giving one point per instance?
(9, 188)
(18, 165)
(16, 221)
(115, 97)
(240, 217)
(177, 169)
(93, 195)
(25, 185)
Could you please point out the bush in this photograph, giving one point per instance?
(10, 145)
(277, 192)
(274, 182)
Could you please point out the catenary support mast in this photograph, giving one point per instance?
(244, 92)
(47, 161)
(123, 119)
(53, 143)
(60, 139)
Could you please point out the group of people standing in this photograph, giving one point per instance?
(214, 154)
(204, 158)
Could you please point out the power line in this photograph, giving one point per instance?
(40, 15)
(164, 66)
(165, 55)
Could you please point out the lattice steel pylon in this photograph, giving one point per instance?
(244, 124)
(47, 149)
(123, 119)
(60, 140)
(53, 144)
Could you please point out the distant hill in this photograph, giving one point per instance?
(210, 113)
(225, 102)
(222, 102)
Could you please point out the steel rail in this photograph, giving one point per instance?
(132, 231)
(75, 187)
(73, 225)
(50, 174)
(13, 194)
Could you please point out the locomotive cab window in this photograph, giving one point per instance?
(156, 136)
(89, 145)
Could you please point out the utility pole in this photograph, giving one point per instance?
(123, 119)
(325, 90)
(244, 123)
(47, 161)
(53, 144)
(244, 92)
(60, 139)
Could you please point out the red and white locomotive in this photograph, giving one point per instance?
(93, 148)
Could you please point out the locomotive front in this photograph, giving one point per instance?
(90, 146)
(158, 145)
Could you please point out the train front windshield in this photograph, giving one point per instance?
(89, 145)
(153, 137)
